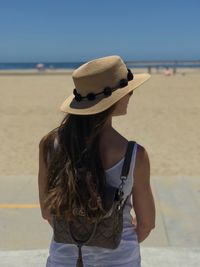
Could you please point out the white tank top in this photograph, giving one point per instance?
(127, 254)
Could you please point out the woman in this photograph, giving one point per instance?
(86, 138)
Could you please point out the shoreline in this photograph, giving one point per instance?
(69, 71)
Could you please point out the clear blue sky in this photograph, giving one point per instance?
(70, 30)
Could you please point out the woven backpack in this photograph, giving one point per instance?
(104, 232)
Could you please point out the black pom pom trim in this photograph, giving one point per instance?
(78, 97)
(91, 96)
(123, 83)
(75, 92)
(130, 75)
(107, 91)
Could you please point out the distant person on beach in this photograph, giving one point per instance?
(174, 70)
(85, 155)
(167, 72)
(40, 67)
(149, 69)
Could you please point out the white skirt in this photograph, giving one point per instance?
(127, 254)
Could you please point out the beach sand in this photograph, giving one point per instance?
(163, 116)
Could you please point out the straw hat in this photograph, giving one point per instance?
(99, 84)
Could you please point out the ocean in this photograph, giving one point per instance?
(74, 65)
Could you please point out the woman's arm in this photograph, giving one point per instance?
(42, 182)
(143, 201)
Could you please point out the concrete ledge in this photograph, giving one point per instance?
(24, 258)
(151, 257)
(170, 256)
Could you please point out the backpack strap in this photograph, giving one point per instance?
(127, 161)
(79, 262)
(79, 244)
(125, 171)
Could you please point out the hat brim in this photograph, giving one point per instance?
(101, 103)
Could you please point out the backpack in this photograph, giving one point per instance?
(104, 232)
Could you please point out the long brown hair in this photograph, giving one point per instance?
(76, 177)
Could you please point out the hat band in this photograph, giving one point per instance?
(107, 91)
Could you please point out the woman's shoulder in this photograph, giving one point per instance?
(142, 164)
(47, 142)
(113, 150)
(49, 137)
(142, 154)
(120, 146)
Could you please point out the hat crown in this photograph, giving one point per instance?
(95, 75)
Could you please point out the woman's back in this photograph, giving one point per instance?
(128, 251)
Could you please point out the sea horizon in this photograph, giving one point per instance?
(73, 65)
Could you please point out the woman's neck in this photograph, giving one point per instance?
(108, 131)
(108, 125)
